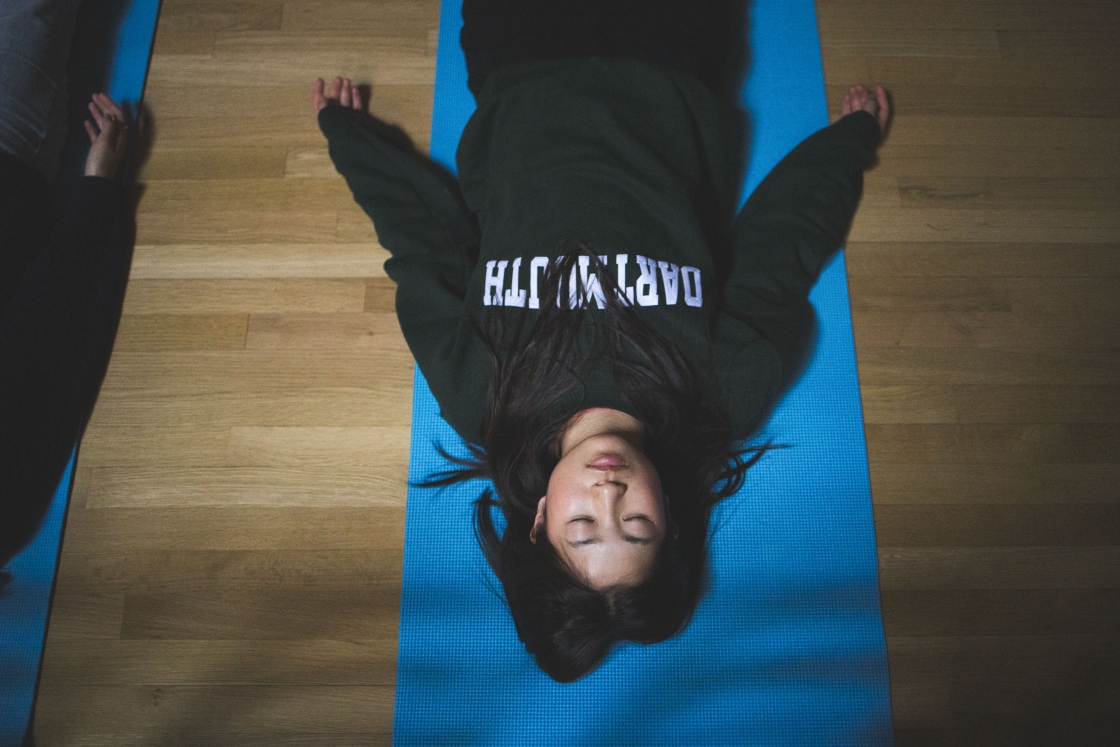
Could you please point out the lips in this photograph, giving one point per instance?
(606, 463)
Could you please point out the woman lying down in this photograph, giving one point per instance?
(590, 312)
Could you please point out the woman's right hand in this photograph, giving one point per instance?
(343, 93)
(108, 140)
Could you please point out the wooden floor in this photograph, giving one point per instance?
(231, 570)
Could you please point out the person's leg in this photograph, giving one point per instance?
(696, 36)
(34, 47)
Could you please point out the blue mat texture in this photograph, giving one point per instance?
(787, 646)
(25, 607)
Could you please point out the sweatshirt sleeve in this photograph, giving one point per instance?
(422, 220)
(56, 337)
(792, 223)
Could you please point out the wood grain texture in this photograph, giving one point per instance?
(196, 261)
(231, 572)
(986, 323)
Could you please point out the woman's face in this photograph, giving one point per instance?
(604, 512)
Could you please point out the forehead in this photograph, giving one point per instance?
(610, 563)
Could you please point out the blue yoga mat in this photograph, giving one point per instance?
(787, 647)
(25, 607)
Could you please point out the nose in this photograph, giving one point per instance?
(610, 487)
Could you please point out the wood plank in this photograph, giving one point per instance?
(999, 101)
(888, 15)
(276, 116)
(385, 447)
(886, 293)
(955, 526)
(378, 330)
(153, 332)
(969, 160)
(148, 530)
(232, 715)
(286, 127)
(387, 44)
(975, 259)
(990, 404)
(108, 445)
(183, 42)
(361, 17)
(1010, 483)
(237, 295)
(234, 62)
(310, 162)
(111, 487)
(258, 194)
(1081, 731)
(1043, 74)
(381, 296)
(196, 261)
(1082, 296)
(1066, 194)
(1095, 46)
(84, 615)
(236, 227)
(204, 15)
(281, 615)
(260, 370)
(957, 568)
(991, 612)
(214, 163)
(1006, 713)
(985, 367)
(250, 573)
(905, 42)
(1036, 135)
(1005, 330)
(1000, 443)
(949, 224)
(387, 405)
(354, 225)
(217, 662)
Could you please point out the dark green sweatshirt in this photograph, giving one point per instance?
(633, 160)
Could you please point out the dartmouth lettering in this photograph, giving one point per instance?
(645, 282)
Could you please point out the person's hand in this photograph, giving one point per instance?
(343, 93)
(108, 138)
(859, 98)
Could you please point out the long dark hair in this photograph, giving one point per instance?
(565, 624)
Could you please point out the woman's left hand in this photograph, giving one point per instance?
(878, 105)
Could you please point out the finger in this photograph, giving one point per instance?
(849, 101)
(90, 131)
(356, 92)
(109, 106)
(318, 100)
(884, 106)
(344, 98)
(336, 88)
(95, 112)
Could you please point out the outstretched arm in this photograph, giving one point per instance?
(796, 218)
(57, 332)
(422, 220)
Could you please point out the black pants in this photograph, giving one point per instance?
(61, 290)
(701, 37)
